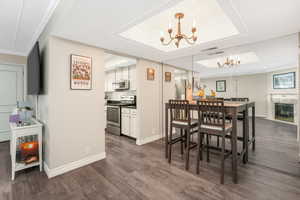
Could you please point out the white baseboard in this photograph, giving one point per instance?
(275, 120)
(73, 165)
(148, 139)
(263, 116)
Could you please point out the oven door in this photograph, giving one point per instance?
(113, 115)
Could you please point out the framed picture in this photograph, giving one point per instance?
(284, 80)
(168, 76)
(150, 74)
(221, 86)
(81, 72)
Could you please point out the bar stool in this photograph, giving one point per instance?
(212, 122)
(180, 117)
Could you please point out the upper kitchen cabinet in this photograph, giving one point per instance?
(132, 76)
(122, 74)
(110, 78)
(119, 70)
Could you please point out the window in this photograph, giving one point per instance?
(284, 81)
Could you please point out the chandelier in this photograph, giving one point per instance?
(179, 36)
(230, 62)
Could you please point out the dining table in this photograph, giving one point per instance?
(232, 109)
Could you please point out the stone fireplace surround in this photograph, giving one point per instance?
(288, 98)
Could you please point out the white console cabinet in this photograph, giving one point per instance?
(35, 129)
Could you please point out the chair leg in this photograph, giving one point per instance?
(187, 150)
(199, 152)
(170, 143)
(185, 136)
(201, 145)
(223, 160)
(218, 141)
(232, 164)
(207, 148)
(182, 141)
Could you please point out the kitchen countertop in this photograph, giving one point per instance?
(131, 107)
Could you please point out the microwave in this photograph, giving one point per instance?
(123, 85)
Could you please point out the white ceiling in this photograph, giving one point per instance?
(99, 23)
(275, 54)
(112, 61)
(243, 58)
(21, 23)
(219, 26)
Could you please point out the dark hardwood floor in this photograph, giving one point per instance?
(141, 172)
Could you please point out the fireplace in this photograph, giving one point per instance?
(284, 112)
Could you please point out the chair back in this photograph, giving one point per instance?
(179, 110)
(240, 99)
(211, 113)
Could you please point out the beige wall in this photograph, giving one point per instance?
(252, 86)
(12, 59)
(149, 101)
(168, 91)
(74, 118)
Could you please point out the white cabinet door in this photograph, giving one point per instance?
(126, 124)
(133, 124)
(132, 77)
(119, 75)
(11, 91)
(111, 80)
(125, 73)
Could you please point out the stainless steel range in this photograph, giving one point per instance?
(114, 107)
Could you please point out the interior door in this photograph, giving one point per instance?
(11, 91)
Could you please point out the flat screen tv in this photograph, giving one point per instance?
(34, 71)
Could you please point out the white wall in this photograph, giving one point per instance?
(252, 86)
(169, 91)
(149, 102)
(74, 119)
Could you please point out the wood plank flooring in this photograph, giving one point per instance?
(141, 172)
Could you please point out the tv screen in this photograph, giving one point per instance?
(34, 71)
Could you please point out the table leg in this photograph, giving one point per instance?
(234, 147)
(253, 128)
(244, 136)
(166, 131)
(246, 118)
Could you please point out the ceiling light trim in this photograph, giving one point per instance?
(132, 31)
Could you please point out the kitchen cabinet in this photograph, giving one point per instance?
(126, 124)
(109, 80)
(133, 126)
(129, 125)
(122, 74)
(132, 77)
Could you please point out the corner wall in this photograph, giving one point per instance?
(149, 101)
(74, 119)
